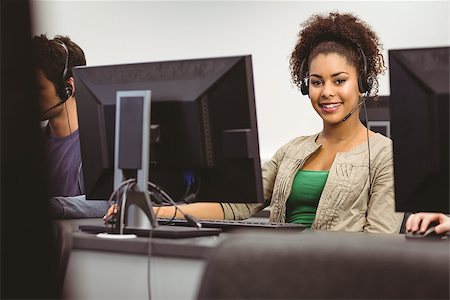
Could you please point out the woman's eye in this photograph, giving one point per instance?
(340, 81)
(316, 82)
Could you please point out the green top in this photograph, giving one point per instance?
(305, 194)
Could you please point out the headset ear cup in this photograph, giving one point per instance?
(66, 92)
(370, 83)
(304, 87)
(365, 84)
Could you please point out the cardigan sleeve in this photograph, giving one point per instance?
(381, 215)
(239, 211)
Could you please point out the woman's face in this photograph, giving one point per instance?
(333, 87)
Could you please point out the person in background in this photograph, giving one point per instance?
(340, 178)
(54, 60)
(419, 222)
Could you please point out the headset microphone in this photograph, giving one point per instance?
(353, 110)
(49, 109)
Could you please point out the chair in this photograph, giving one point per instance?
(326, 265)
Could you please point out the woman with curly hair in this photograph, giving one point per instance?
(342, 177)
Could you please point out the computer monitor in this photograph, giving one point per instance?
(203, 128)
(419, 104)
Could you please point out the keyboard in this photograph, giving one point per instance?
(233, 224)
(180, 228)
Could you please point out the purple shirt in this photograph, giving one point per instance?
(64, 164)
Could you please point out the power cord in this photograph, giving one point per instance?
(118, 197)
(168, 199)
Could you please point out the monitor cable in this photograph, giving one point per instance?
(149, 255)
(169, 201)
(190, 179)
(118, 197)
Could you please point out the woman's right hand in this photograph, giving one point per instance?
(112, 211)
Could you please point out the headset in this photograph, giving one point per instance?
(64, 89)
(365, 82)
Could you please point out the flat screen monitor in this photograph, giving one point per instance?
(419, 106)
(204, 137)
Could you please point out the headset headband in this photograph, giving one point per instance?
(66, 65)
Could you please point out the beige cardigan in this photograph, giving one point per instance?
(344, 203)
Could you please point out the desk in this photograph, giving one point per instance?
(117, 269)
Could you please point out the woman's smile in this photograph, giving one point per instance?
(330, 107)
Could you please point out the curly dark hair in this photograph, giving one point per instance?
(344, 34)
(50, 57)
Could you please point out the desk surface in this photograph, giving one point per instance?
(196, 248)
(341, 254)
(199, 247)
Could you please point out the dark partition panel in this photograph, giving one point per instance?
(28, 258)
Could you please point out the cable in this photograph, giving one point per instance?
(161, 191)
(149, 255)
(125, 186)
(52, 107)
(113, 194)
(121, 192)
(119, 195)
(123, 204)
(368, 146)
(192, 196)
(191, 219)
(72, 142)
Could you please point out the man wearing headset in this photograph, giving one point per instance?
(54, 60)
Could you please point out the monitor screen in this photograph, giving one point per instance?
(419, 104)
(204, 137)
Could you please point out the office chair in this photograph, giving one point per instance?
(326, 265)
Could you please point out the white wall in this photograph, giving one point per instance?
(113, 32)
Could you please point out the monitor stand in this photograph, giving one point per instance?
(132, 152)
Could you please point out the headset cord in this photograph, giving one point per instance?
(72, 145)
(368, 145)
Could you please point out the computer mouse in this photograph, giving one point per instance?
(429, 233)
